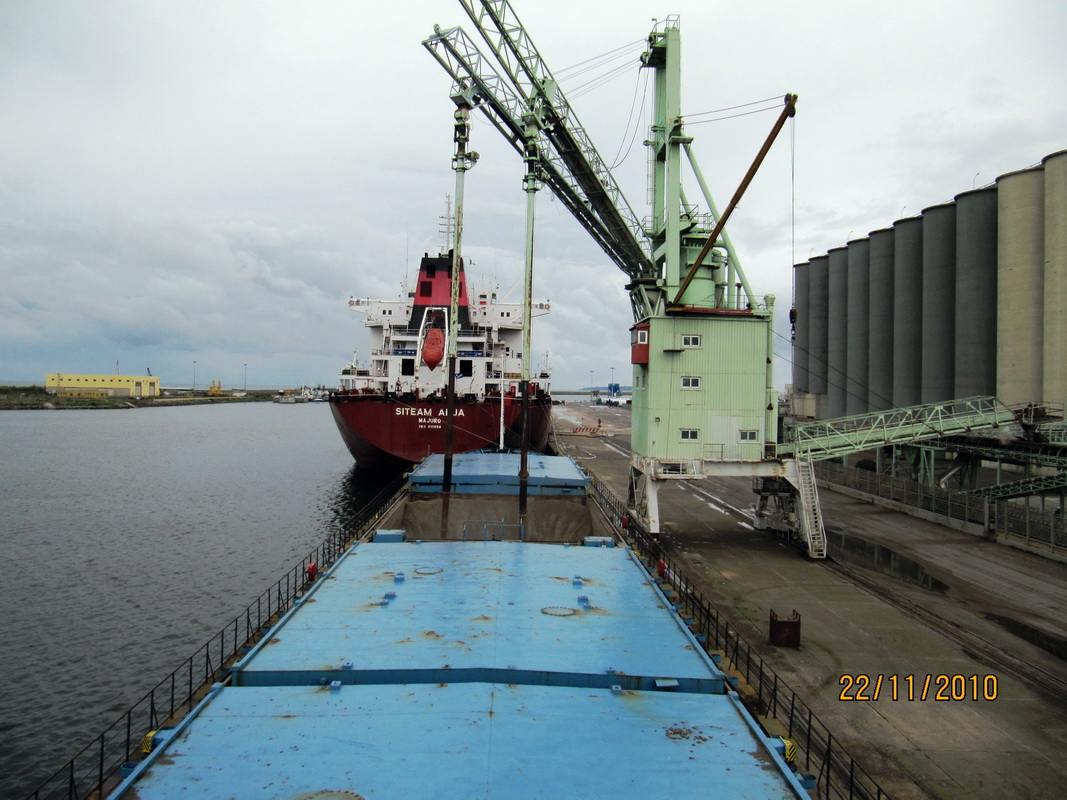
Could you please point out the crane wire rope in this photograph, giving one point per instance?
(601, 80)
(735, 116)
(776, 99)
(640, 86)
(610, 55)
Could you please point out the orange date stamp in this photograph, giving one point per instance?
(861, 687)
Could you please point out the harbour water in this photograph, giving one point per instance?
(131, 537)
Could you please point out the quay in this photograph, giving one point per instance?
(967, 706)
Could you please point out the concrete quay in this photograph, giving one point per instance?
(965, 630)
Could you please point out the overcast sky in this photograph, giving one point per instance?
(211, 181)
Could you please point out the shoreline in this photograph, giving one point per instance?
(22, 400)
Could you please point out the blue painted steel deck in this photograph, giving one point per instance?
(483, 676)
(464, 741)
(497, 473)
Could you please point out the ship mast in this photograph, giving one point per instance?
(461, 162)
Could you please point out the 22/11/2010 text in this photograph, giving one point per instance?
(861, 687)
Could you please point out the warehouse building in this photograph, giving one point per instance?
(102, 385)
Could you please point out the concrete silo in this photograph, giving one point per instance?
(859, 266)
(1020, 285)
(801, 326)
(880, 322)
(818, 298)
(939, 303)
(976, 293)
(907, 311)
(1055, 282)
(837, 331)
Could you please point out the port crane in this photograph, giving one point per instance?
(704, 402)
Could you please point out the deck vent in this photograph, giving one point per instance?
(577, 580)
(335, 686)
(398, 578)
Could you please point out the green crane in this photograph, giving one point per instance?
(701, 345)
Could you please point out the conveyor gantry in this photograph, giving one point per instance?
(844, 435)
(1025, 487)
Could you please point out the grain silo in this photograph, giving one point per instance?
(859, 265)
(1055, 279)
(976, 293)
(1020, 285)
(880, 323)
(939, 303)
(801, 326)
(837, 331)
(907, 311)
(818, 294)
(967, 299)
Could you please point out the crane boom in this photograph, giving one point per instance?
(569, 145)
(520, 120)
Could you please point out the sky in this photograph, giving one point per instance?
(201, 185)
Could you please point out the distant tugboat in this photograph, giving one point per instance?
(391, 411)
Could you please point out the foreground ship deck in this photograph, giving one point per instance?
(472, 668)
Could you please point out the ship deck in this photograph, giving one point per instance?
(488, 669)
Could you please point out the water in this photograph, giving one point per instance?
(131, 537)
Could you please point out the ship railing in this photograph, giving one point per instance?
(819, 754)
(96, 769)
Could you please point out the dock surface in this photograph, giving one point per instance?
(859, 625)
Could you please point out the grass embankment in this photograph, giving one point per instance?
(35, 397)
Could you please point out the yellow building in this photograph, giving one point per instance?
(108, 385)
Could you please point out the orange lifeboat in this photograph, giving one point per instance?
(433, 347)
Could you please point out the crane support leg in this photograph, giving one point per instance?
(652, 504)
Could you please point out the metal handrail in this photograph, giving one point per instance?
(85, 774)
(838, 774)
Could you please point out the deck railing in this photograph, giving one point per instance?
(819, 754)
(89, 773)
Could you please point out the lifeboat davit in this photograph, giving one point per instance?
(433, 347)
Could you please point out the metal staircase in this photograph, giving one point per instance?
(808, 510)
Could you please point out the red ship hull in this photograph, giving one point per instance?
(390, 432)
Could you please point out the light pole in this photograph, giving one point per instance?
(246, 377)
(611, 388)
(590, 386)
(194, 374)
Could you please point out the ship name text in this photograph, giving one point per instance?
(425, 412)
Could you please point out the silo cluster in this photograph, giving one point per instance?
(967, 298)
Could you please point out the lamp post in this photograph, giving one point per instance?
(246, 377)
(611, 388)
(590, 386)
(194, 374)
